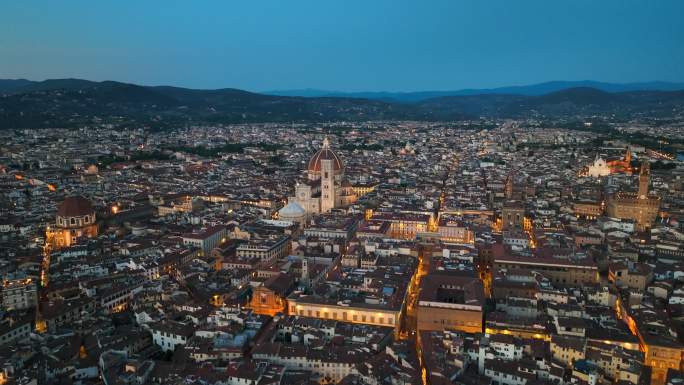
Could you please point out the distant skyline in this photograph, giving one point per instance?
(352, 45)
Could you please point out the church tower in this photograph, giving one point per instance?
(305, 269)
(628, 155)
(644, 177)
(508, 188)
(327, 186)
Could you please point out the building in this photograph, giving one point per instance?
(513, 215)
(19, 294)
(270, 298)
(617, 363)
(272, 247)
(15, 329)
(75, 219)
(506, 372)
(116, 297)
(559, 270)
(332, 227)
(499, 322)
(361, 313)
(62, 313)
(406, 225)
(516, 239)
(567, 349)
(451, 302)
(325, 187)
(184, 204)
(657, 340)
(329, 350)
(633, 275)
(372, 297)
(206, 239)
(588, 209)
(640, 207)
(170, 334)
(364, 188)
(662, 357)
(451, 230)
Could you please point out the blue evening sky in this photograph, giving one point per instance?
(347, 45)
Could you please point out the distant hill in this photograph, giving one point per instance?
(76, 102)
(73, 102)
(8, 85)
(528, 90)
(581, 101)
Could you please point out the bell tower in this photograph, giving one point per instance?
(327, 185)
(628, 155)
(644, 177)
(326, 172)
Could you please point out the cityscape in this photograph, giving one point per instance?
(157, 234)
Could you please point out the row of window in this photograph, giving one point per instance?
(354, 317)
(167, 344)
(123, 295)
(16, 333)
(72, 220)
(456, 322)
(165, 334)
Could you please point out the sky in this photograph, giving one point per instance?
(343, 45)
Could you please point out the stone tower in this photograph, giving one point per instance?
(327, 185)
(644, 177)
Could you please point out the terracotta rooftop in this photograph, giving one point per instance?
(75, 206)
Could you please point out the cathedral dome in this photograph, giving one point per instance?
(292, 212)
(75, 206)
(292, 209)
(325, 153)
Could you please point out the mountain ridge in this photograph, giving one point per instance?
(78, 102)
(537, 89)
(10, 86)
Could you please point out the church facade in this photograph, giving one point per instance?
(601, 167)
(325, 187)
